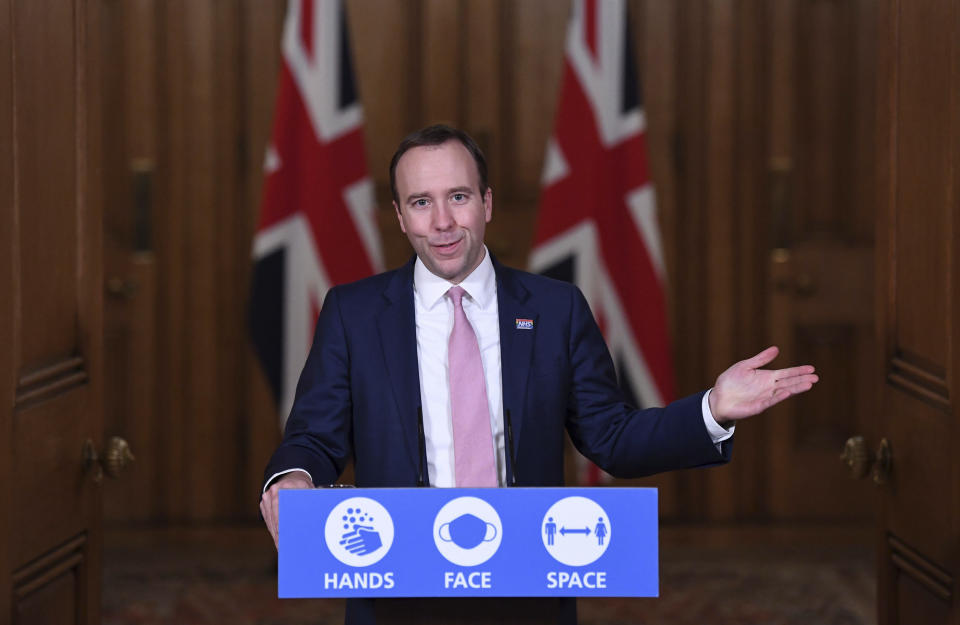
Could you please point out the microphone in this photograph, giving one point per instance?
(422, 478)
(512, 478)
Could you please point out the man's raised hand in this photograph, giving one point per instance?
(745, 389)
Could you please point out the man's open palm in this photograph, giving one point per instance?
(745, 389)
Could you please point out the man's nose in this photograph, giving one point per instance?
(442, 216)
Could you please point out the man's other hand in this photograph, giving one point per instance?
(745, 389)
(270, 498)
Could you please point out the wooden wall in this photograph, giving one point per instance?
(188, 96)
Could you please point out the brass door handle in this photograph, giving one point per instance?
(883, 464)
(859, 459)
(114, 460)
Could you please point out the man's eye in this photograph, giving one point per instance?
(420, 203)
(459, 197)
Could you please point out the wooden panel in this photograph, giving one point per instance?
(914, 604)
(130, 411)
(388, 75)
(54, 602)
(53, 588)
(718, 280)
(824, 129)
(821, 197)
(261, 27)
(533, 37)
(443, 61)
(820, 293)
(53, 492)
(47, 169)
(655, 26)
(917, 141)
(55, 379)
(51, 316)
(921, 438)
(922, 590)
(8, 255)
(924, 198)
(482, 103)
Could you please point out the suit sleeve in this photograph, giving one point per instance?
(318, 433)
(619, 438)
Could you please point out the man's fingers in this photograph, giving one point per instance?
(811, 378)
(268, 508)
(763, 358)
(788, 390)
(791, 372)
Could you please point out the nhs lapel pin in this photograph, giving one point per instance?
(524, 324)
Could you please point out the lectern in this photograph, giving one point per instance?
(487, 544)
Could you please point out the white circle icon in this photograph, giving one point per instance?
(576, 531)
(467, 531)
(359, 531)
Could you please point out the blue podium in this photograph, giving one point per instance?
(483, 542)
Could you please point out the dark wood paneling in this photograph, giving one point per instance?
(8, 254)
(820, 196)
(261, 26)
(45, 135)
(54, 587)
(924, 161)
(51, 314)
(918, 140)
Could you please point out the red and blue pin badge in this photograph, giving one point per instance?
(524, 324)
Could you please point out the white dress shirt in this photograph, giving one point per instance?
(434, 315)
(434, 322)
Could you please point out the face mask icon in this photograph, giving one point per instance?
(467, 531)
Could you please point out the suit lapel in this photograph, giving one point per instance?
(398, 341)
(516, 344)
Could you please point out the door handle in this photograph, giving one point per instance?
(860, 460)
(116, 457)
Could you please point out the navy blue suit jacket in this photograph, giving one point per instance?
(359, 391)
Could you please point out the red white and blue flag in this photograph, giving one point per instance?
(317, 224)
(597, 225)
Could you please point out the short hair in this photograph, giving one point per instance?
(438, 134)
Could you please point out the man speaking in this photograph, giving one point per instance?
(455, 370)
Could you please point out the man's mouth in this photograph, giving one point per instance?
(446, 247)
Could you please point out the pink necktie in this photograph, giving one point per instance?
(474, 463)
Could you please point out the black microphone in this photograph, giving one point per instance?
(512, 478)
(422, 478)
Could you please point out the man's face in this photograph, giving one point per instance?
(441, 210)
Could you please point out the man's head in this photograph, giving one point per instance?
(439, 181)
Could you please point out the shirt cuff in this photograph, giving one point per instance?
(273, 478)
(717, 432)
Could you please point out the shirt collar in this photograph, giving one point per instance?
(480, 285)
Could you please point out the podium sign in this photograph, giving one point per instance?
(468, 542)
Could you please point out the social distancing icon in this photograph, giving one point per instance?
(576, 531)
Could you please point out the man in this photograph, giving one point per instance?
(385, 382)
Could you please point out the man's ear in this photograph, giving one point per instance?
(403, 229)
(488, 204)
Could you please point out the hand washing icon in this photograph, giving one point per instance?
(467, 531)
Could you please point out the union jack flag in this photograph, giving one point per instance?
(317, 223)
(597, 224)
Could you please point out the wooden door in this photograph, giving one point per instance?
(129, 100)
(50, 311)
(821, 98)
(918, 160)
